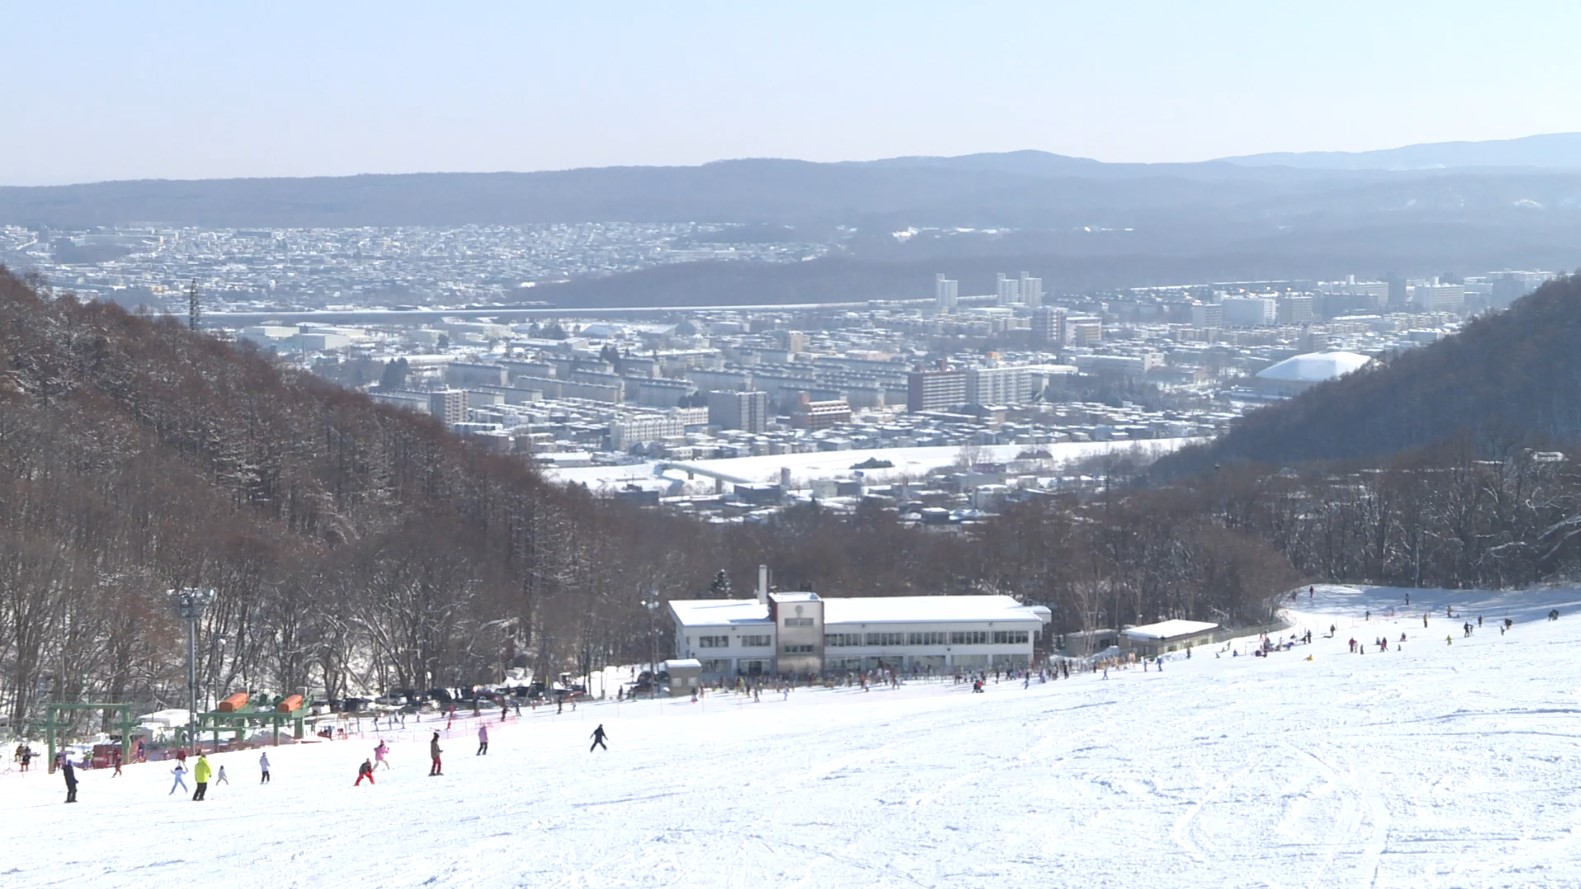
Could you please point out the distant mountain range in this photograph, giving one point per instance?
(1454, 207)
(1559, 151)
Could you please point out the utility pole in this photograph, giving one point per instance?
(193, 308)
(190, 602)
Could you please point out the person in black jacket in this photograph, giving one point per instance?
(598, 738)
(71, 779)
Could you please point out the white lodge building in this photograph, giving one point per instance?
(785, 633)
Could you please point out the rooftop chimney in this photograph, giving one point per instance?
(763, 584)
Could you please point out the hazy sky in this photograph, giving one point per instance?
(186, 90)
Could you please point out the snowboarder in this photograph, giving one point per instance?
(200, 774)
(483, 741)
(179, 771)
(379, 753)
(433, 752)
(263, 767)
(220, 778)
(71, 780)
(598, 738)
(365, 771)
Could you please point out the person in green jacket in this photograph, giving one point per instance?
(200, 774)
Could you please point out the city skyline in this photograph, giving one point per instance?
(184, 90)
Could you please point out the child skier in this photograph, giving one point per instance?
(365, 771)
(483, 741)
(180, 772)
(433, 752)
(598, 738)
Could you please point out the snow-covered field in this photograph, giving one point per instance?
(910, 463)
(1431, 764)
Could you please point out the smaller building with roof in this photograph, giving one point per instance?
(1151, 640)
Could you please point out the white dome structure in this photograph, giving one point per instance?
(1301, 372)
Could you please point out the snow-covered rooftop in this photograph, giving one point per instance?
(1169, 629)
(719, 612)
(1314, 367)
(875, 609)
(926, 609)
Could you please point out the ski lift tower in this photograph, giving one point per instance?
(190, 602)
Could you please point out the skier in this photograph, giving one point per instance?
(483, 741)
(598, 738)
(263, 767)
(71, 780)
(379, 753)
(433, 752)
(200, 774)
(179, 771)
(220, 778)
(115, 759)
(365, 771)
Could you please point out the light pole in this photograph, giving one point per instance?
(190, 602)
(651, 602)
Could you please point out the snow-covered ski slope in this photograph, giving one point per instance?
(1433, 764)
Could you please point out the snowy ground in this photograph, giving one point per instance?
(1433, 764)
(910, 463)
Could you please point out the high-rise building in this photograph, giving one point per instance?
(747, 411)
(449, 406)
(1207, 316)
(931, 390)
(1436, 297)
(998, 385)
(1009, 290)
(946, 294)
(1249, 311)
(1031, 290)
(1295, 309)
(1048, 327)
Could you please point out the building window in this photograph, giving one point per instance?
(757, 641)
(716, 666)
(969, 637)
(842, 640)
(933, 637)
(886, 638)
(1010, 637)
(713, 641)
(798, 621)
(797, 649)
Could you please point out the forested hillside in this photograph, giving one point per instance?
(357, 546)
(354, 546)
